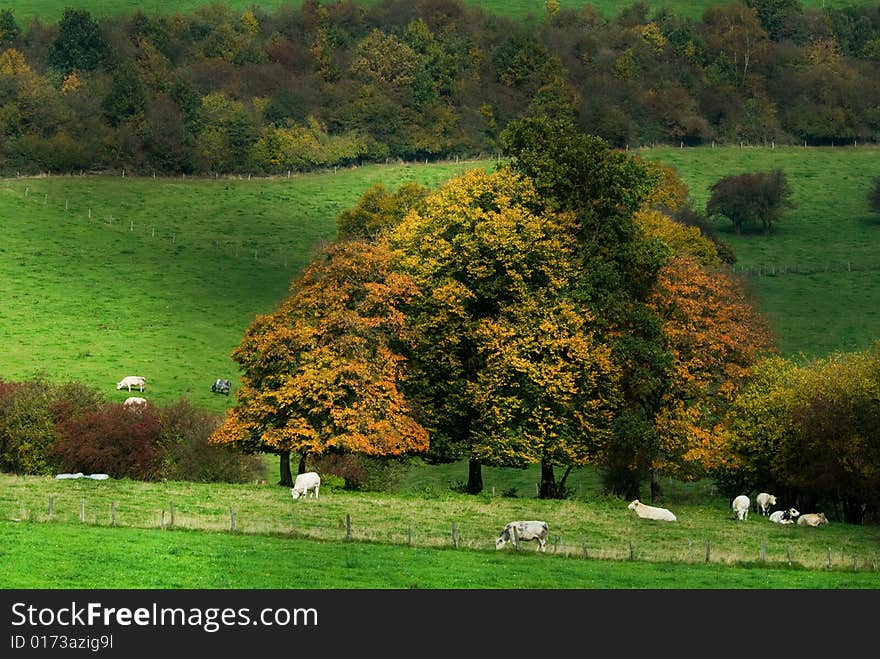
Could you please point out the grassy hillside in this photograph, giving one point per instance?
(165, 275)
(412, 532)
(817, 277)
(51, 10)
(106, 277)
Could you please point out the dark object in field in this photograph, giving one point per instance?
(221, 386)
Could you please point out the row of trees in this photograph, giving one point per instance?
(317, 85)
(810, 432)
(550, 312)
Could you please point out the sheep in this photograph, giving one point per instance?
(651, 512)
(812, 519)
(531, 530)
(130, 381)
(740, 506)
(763, 502)
(132, 401)
(784, 516)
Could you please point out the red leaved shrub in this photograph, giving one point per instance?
(114, 439)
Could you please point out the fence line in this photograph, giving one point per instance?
(409, 535)
(777, 269)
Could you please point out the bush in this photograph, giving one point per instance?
(114, 439)
(188, 456)
(751, 198)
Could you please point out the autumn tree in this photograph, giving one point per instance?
(506, 367)
(378, 210)
(323, 373)
(752, 198)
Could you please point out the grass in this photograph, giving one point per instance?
(831, 229)
(112, 276)
(275, 537)
(52, 10)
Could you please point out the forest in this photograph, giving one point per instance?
(322, 85)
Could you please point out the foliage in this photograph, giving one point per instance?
(378, 210)
(189, 456)
(119, 440)
(79, 45)
(323, 373)
(751, 198)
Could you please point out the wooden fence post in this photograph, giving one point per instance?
(632, 551)
(708, 546)
(829, 558)
(763, 551)
(171, 511)
(515, 537)
(788, 554)
(347, 526)
(113, 514)
(82, 510)
(162, 523)
(231, 519)
(292, 518)
(409, 535)
(454, 536)
(52, 508)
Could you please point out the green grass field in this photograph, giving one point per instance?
(813, 312)
(52, 10)
(110, 276)
(275, 538)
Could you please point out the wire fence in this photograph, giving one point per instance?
(302, 522)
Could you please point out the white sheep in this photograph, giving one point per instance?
(740, 506)
(764, 501)
(651, 512)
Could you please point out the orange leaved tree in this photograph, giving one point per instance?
(323, 373)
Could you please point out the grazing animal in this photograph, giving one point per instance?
(812, 519)
(305, 483)
(784, 516)
(531, 530)
(131, 401)
(651, 512)
(130, 381)
(221, 386)
(740, 506)
(764, 501)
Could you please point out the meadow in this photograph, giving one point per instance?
(431, 539)
(52, 10)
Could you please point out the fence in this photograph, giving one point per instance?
(302, 524)
(778, 270)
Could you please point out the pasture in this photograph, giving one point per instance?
(52, 10)
(399, 540)
(109, 276)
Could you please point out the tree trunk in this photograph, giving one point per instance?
(655, 487)
(301, 469)
(475, 477)
(548, 481)
(284, 469)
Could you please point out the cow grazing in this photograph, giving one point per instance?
(740, 506)
(305, 483)
(221, 386)
(651, 512)
(524, 531)
(763, 502)
(130, 381)
(812, 519)
(135, 401)
(784, 516)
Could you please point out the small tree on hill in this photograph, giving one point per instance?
(751, 198)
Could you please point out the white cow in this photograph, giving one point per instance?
(132, 401)
(523, 531)
(764, 501)
(304, 483)
(740, 506)
(651, 512)
(784, 516)
(130, 381)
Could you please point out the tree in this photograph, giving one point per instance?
(378, 210)
(506, 367)
(874, 195)
(323, 373)
(79, 45)
(9, 30)
(751, 198)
